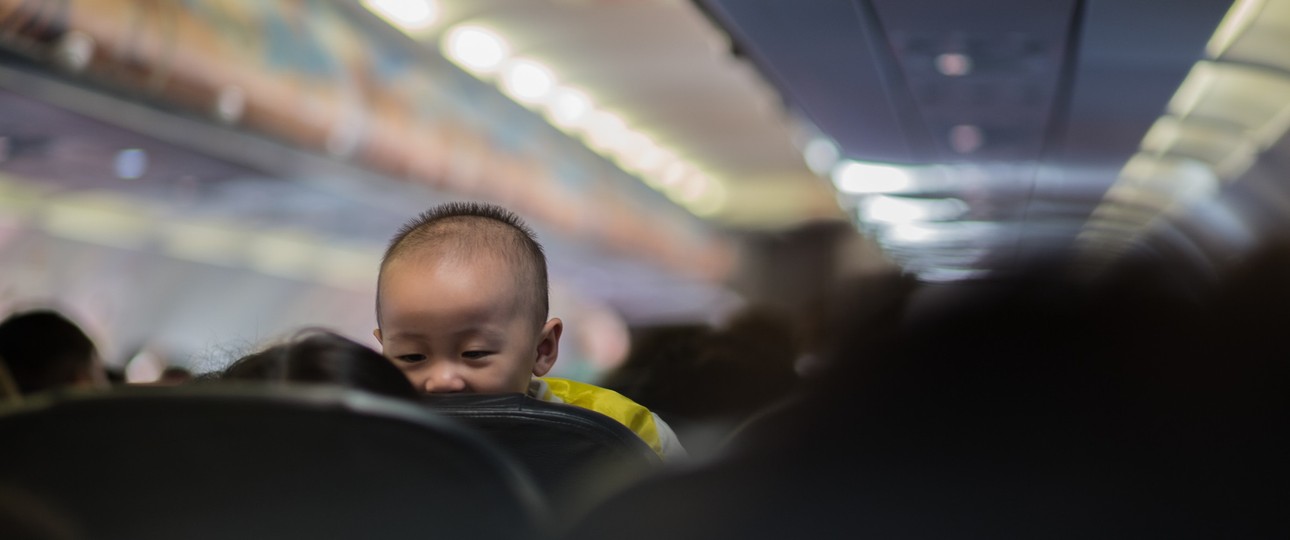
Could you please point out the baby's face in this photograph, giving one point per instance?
(461, 326)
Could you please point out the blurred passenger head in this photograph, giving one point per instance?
(764, 344)
(322, 357)
(864, 315)
(697, 373)
(1006, 408)
(44, 350)
(175, 375)
(462, 302)
(658, 365)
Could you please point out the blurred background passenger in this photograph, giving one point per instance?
(115, 376)
(323, 357)
(705, 381)
(654, 371)
(1035, 406)
(44, 350)
(175, 375)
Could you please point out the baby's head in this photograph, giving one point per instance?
(461, 302)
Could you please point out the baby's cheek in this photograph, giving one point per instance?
(486, 381)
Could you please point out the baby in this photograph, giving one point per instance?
(462, 305)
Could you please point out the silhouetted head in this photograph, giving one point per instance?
(322, 357)
(44, 350)
(660, 367)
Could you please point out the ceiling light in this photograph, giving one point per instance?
(1246, 96)
(1224, 149)
(285, 254)
(657, 164)
(348, 267)
(567, 107)
(412, 16)
(484, 53)
(713, 200)
(527, 81)
(630, 147)
(1234, 24)
(694, 188)
(1260, 39)
(674, 173)
(604, 130)
(911, 234)
(206, 241)
(1177, 178)
(886, 209)
(1162, 135)
(130, 164)
(100, 218)
(648, 157)
(954, 64)
(475, 48)
(965, 233)
(862, 178)
(1192, 89)
(20, 200)
(821, 155)
(966, 138)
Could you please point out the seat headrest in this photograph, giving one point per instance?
(233, 461)
(561, 425)
(578, 456)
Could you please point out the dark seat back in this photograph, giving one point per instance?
(576, 455)
(252, 462)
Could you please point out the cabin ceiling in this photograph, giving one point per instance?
(1028, 109)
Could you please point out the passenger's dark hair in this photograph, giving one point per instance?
(694, 372)
(320, 356)
(662, 362)
(471, 226)
(44, 349)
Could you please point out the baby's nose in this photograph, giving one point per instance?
(443, 378)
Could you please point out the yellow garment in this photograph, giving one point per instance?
(609, 403)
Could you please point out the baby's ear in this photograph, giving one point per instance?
(377, 334)
(548, 347)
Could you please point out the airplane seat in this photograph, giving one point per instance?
(9, 393)
(224, 462)
(577, 456)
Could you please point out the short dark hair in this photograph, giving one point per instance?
(472, 226)
(44, 349)
(321, 356)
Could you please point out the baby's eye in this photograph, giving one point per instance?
(475, 355)
(410, 357)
